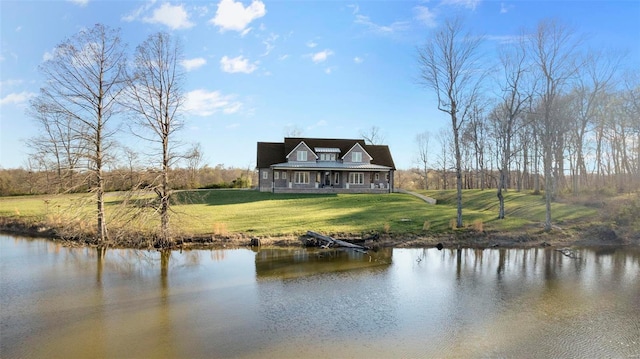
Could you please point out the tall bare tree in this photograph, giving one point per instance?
(156, 99)
(446, 148)
(372, 135)
(84, 79)
(422, 158)
(194, 159)
(449, 65)
(513, 102)
(594, 80)
(554, 49)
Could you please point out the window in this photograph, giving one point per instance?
(265, 174)
(356, 157)
(276, 175)
(301, 177)
(284, 175)
(337, 181)
(386, 176)
(356, 178)
(327, 157)
(301, 155)
(377, 176)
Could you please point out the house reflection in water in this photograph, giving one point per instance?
(300, 262)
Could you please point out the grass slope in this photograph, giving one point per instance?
(223, 212)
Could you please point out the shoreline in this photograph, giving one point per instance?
(592, 236)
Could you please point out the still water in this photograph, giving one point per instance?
(59, 302)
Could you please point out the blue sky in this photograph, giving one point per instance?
(256, 69)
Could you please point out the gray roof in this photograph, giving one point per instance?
(270, 153)
(326, 150)
(328, 165)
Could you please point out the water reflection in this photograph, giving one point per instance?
(291, 303)
(292, 263)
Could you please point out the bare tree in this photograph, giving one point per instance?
(596, 77)
(293, 131)
(422, 142)
(84, 79)
(194, 158)
(449, 66)
(554, 49)
(372, 136)
(475, 137)
(513, 103)
(156, 98)
(58, 145)
(446, 144)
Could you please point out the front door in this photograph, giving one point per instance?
(327, 179)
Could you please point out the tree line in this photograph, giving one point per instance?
(21, 181)
(547, 114)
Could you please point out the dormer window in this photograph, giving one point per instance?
(327, 157)
(301, 156)
(356, 157)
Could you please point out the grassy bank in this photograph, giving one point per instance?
(402, 218)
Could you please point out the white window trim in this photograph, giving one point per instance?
(303, 180)
(353, 176)
(265, 174)
(356, 157)
(301, 156)
(276, 175)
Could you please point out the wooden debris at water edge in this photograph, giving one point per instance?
(329, 242)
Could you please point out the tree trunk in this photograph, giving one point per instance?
(458, 170)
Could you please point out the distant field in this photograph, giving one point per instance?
(265, 214)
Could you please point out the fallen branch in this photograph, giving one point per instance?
(332, 242)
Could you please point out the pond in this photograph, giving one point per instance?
(60, 302)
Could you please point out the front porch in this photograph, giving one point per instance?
(330, 190)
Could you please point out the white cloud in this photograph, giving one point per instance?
(268, 43)
(469, 4)
(425, 16)
(504, 39)
(80, 2)
(355, 8)
(329, 70)
(135, 14)
(192, 64)
(237, 64)
(49, 55)
(358, 60)
(16, 98)
(10, 83)
(504, 8)
(384, 29)
(232, 15)
(283, 57)
(321, 56)
(175, 17)
(311, 44)
(232, 108)
(206, 103)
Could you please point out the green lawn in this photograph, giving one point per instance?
(267, 214)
